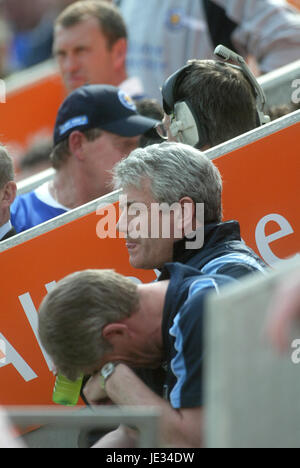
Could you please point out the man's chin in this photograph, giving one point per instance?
(135, 263)
(74, 84)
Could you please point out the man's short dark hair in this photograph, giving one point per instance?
(221, 97)
(111, 22)
(61, 151)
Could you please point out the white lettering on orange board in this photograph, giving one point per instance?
(2, 352)
(296, 94)
(263, 242)
(33, 318)
(11, 356)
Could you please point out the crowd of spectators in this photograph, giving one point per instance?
(26, 32)
(104, 135)
(148, 50)
(27, 28)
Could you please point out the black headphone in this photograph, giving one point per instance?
(185, 125)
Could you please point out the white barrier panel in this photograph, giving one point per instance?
(282, 86)
(31, 183)
(251, 392)
(146, 420)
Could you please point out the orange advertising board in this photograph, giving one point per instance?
(261, 190)
(29, 113)
(29, 269)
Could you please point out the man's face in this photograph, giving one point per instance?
(82, 55)
(134, 354)
(135, 345)
(101, 155)
(150, 249)
(7, 197)
(2, 211)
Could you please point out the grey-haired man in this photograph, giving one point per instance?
(181, 189)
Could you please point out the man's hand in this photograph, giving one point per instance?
(93, 391)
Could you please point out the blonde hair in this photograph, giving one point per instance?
(73, 315)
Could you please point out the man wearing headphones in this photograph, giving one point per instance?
(208, 102)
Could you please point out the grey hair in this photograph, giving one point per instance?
(6, 167)
(175, 170)
(74, 313)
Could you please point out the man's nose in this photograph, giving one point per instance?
(70, 63)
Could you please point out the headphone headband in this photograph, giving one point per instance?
(227, 54)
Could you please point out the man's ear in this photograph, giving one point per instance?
(76, 141)
(9, 194)
(119, 52)
(114, 331)
(186, 218)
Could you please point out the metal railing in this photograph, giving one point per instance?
(145, 419)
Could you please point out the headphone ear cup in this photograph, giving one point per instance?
(184, 126)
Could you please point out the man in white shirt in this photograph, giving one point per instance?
(165, 34)
(8, 190)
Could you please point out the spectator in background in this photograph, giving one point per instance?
(36, 159)
(5, 38)
(8, 190)
(208, 102)
(96, 126)
(275, 112)
(90, 46)
(163, 35)
(32, 32)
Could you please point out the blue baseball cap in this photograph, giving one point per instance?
(100, 106)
